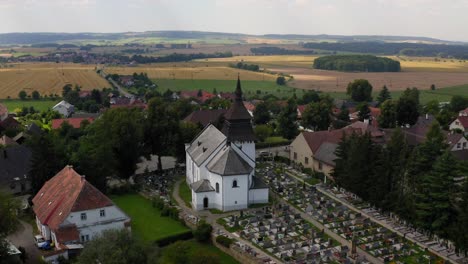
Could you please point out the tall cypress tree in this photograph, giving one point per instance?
(384, 95)
(287, 120)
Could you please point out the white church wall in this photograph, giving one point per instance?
(248, 148)
(235, 198)
(198, 199)
(218, 196)
(258, 196)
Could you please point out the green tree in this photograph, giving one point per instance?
(203, 232)
(262, 132)
(434, 209)
(460, 232)
(35, 95)
(433, 87)
(281, 80)
(161, 129)
(261, 114)
(407, 110)
(287, 120)
(8, 220)
(309, 97)
(364, 112)
(387, 118)
(186, 133)
(384, 95)
(458, 103)
(113, 247)
(445, 117)
(66, 89)
(22, 95)
(317, 115)
(360, 90)
(176, 253)
(432, 107)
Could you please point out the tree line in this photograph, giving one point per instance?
(416, 49)
(245, 66)
(280, 51)
(415, 183)
(363, 63)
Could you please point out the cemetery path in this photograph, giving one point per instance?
(211, 219)
(382, 223)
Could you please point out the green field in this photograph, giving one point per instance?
(40, 105)
(250, 88)
(195, 246)
(147, 223)
(441, 95)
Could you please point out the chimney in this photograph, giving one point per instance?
(83, 177)
(427, 116)
(70, 167)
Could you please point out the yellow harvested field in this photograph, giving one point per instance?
(47, 78)
(195, 72)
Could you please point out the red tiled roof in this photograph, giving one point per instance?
(66, 192)
(74, 122)
(83, 94)
(300, 110)
(316, 139)
(454, 138)
(229, 96)
(9, 122)
(194, 94)
(204, 117)
(463, 120)
(249, 106)
(67, 234)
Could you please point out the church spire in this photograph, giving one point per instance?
(238, 91)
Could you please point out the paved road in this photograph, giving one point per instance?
(116, 85)
(24, 237)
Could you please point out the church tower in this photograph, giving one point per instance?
(238, 125)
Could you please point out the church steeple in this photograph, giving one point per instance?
(238, 121)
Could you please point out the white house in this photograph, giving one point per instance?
(221, 164)
(64, 108)
(461, 123)
(70, 211)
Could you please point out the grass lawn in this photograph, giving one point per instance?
(275, 140)
(147, 223)
(195, 246)
(185, 193)
(250, 88)
(40, 105)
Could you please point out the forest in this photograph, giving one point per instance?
(403, 48)
(356, 63)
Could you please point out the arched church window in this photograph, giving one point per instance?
(217, 187)
(234, 184)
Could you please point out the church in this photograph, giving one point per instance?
(221, 164)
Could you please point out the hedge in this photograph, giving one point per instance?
(171, 239)
(224, 241)
(260, 145)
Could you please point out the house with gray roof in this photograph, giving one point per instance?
(220, 164)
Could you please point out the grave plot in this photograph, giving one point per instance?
(281, 233)
(337, 217)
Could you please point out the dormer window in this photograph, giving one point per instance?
(204, 149)
(199, 143)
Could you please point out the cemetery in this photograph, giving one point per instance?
(351, 225)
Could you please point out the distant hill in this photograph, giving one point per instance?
(196, 36)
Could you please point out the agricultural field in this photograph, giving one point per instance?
(40, 105)
(47, 78)
(192, 71)
(250, 88)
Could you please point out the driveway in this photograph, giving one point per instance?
(23, 237)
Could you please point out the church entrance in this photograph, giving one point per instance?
(205, 202)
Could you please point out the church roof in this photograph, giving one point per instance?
(237, 124)
(227, 162)
(205, 144)
(202, 186)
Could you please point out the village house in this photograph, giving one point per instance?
(64, 108)
(15, 166)
(205, 117)
(3, 112)
(220, 164)
(463, 112)
(70, 211)
(461, 124)
(200, 96)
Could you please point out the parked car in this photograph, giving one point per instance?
(264, 154)
(40, 241)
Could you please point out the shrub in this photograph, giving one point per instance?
(224, 241)
(171, 239)
(281, 80)
(203, 232)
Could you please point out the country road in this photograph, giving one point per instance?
(116, 85)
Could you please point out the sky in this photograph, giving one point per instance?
(443, 19)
